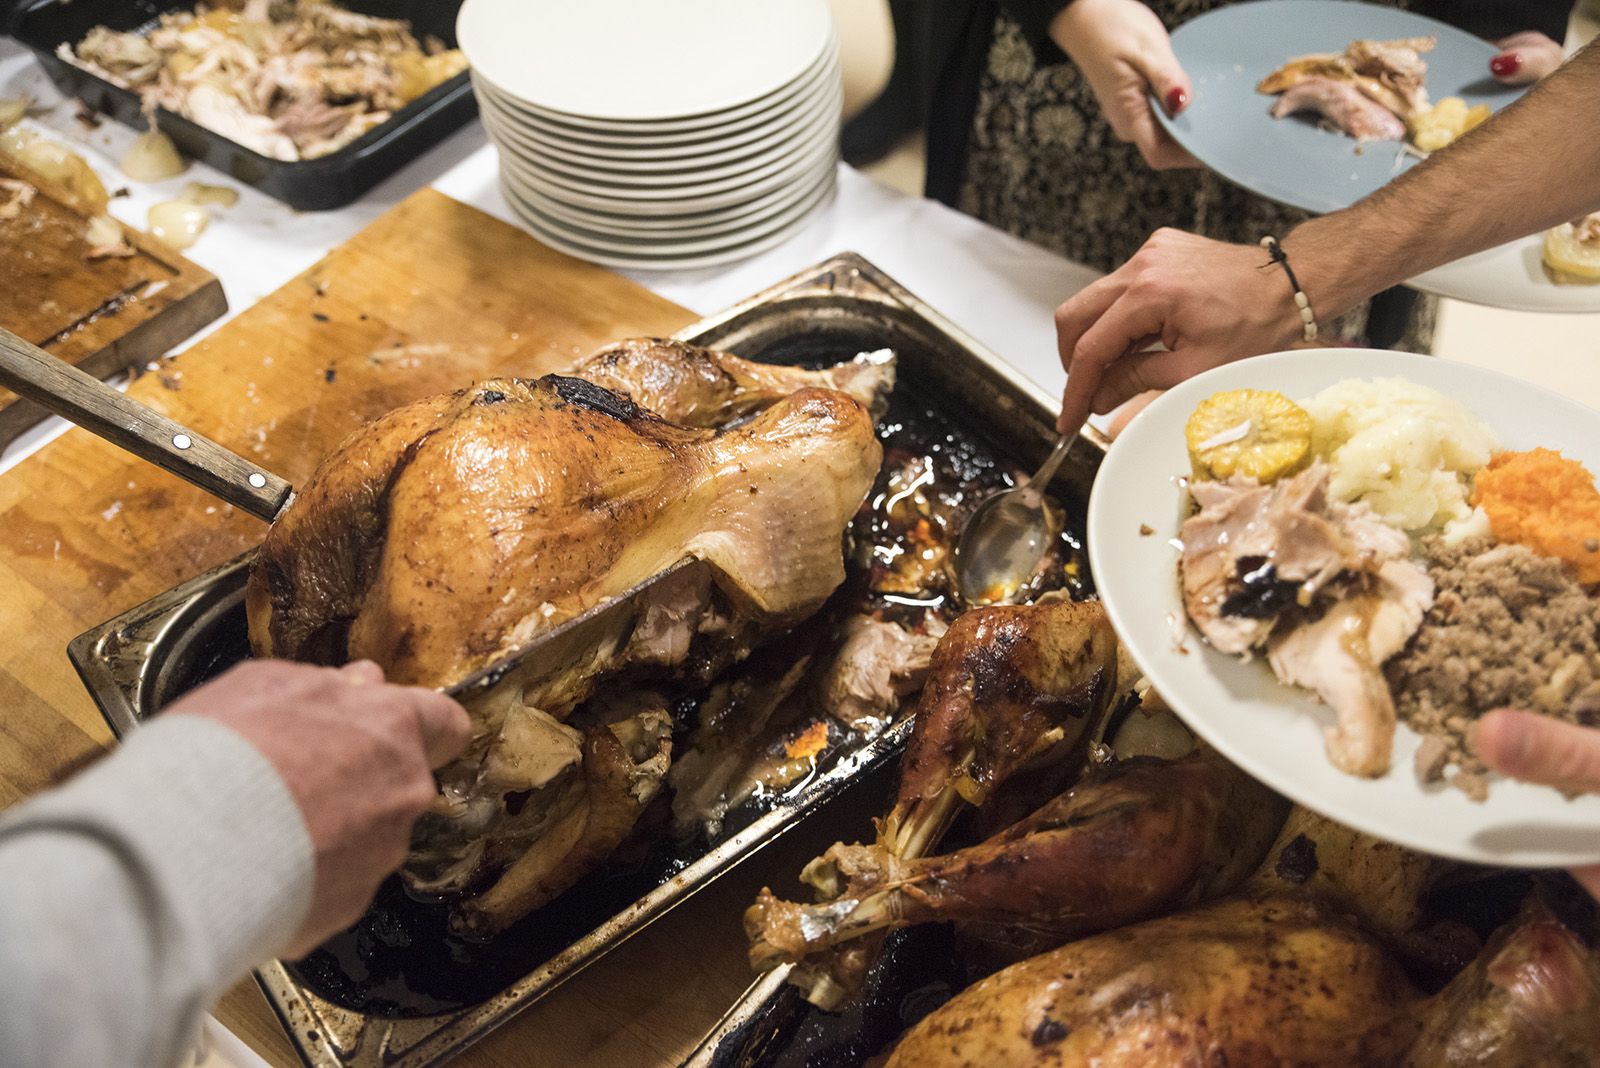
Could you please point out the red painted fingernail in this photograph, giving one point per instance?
(1177, 100)
(1504, 66)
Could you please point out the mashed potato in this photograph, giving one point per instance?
(1408, 451)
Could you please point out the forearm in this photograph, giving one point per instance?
(132, 897)
(1533, 166)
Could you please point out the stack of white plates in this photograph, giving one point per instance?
(658, 133)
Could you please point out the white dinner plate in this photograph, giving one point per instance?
(729, 254)
(642, 61)
(708, 197)
(824, 124)
(685, 214)
(1273, 731)
(677, 244)
(1228, 125)
(669, 137)
(719, 145)
(784, 127)
(1511, 276)
(697, 224)
(670, 134)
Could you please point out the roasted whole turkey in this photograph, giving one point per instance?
(447, 534)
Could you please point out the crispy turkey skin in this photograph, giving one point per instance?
(449, 533)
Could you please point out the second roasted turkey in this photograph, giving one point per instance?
(447, 534)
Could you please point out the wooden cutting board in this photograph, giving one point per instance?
(428, 298)
(104, 314)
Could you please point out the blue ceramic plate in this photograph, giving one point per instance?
(1228, 126)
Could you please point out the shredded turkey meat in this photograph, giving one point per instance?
(1370, 91)
(1327, 589)
(1343, 105)
(291, 79)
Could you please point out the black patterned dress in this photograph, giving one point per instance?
(1037, 159)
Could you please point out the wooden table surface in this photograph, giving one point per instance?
(430, 297)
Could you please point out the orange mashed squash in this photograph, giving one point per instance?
(1546, 502)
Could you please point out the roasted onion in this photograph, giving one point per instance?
(152, 157)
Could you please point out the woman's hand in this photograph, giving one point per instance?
(1125, 54)
(1549, 752)
(1525, 58)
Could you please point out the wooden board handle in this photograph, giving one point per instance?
(28, 370)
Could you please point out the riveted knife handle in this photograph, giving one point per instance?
(83, 399)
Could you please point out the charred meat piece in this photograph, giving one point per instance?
(1008, 685)
(1345, 106)
(1137, 838)
(694, 386)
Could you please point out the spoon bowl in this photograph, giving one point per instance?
(1007, 537)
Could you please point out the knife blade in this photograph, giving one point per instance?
(594, 632)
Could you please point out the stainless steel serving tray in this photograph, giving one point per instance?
(136, 663)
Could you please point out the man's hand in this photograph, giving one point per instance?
(1206, 301)
(356, 754)
(1125, 55)
(1538, 749)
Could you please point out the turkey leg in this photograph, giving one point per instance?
(1007, 685)
(1139, 837)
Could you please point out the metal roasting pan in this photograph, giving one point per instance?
(318, 184)
(135, 663)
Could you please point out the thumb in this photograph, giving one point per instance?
(1168, 80)
(1538, 749)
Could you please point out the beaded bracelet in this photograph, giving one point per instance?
(1301, 301)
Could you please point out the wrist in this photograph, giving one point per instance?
(1331, 271)
(1075, 20)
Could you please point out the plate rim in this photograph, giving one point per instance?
(815, 158)
(756, 229)
(757, 138)
(717, 220)
(737, 119)
(800, 139)
(1144, 645)
(1515, 293)
(732, 254)
(822, 25)
(1238, 10)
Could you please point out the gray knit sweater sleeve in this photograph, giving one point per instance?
(134, 895)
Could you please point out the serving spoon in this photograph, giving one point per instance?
(1008, 535)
